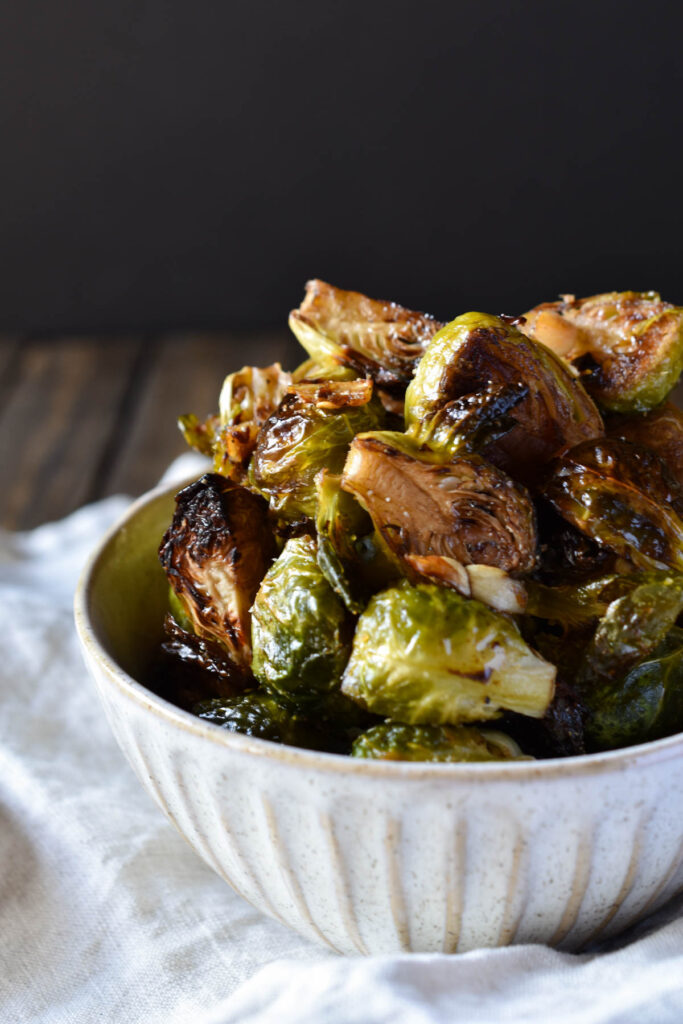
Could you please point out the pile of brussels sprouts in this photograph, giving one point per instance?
(439, 542)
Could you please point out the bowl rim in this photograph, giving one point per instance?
(545, 769)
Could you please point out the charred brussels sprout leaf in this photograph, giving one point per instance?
(393, 741)
(628, 344)
(644, 704)
(425, 655)
(381, 340)
(477, 351)
(465, 510)
(306, 434)
(621, 495)
(470, 423)
(215, 553)
(300, 628)
(660, 430)
(350, 554)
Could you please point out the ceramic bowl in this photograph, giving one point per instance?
(381, 857)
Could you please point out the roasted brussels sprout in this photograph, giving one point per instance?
(247, 399)
(377, 339)
(469, 423)
(189, 668)
(393, 741)
(301, 632)
(425, 655)
(660, 430)
(310, 431)
(621, 495)
(466, 510)
(215, 553)
(351, 554)
(644, 704)
(259, 714)
(628, 344)
(477, 351)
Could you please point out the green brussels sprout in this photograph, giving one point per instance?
(259, 714)
(248, 397)
(466, 510)
(661, 430)
(381, 340)
(425, 655)
(621, 495)
(477, 351)
(215, 554)
(394, 741)
(310, 431)
(351, 554)
(629, 345)
(301, 631)
(644, 704)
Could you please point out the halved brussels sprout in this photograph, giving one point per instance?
(377, 339)
(465, 510)
(621, 495)
(470, 423)
(425, 655)
(644, 704)
(306, 434)
(351, 554)
(477, 351)
(248, 397)
(215, 553)
(301, 632)
(660, 430)
(632, 341)
(394, 741)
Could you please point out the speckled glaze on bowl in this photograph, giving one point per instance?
(374, 857)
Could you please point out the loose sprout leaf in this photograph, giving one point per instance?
(632, 343)
(477, 351)
(621, 495)
(300, 629)
(393, 741)
(378, 339)
(215, 553)
(199, 435)
(425, 655)
(300, 439)
(661, 430)
(644, 704)
(466, 509)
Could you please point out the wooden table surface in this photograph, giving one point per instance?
(85, 417)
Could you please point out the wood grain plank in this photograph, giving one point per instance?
(56, 422)
(186, 376)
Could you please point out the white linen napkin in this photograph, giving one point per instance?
(106, 915)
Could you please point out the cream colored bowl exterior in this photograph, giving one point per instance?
(371, 857)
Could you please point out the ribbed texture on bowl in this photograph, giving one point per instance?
(383, 858)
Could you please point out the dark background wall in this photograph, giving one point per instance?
(175, 164)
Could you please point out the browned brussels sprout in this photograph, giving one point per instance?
(469, 423)
(466, 510)
(622, 496)
(351, 554)
(628, 344)
(381, 340)
(661, 430)
(643, 704)
(394, 741)
(477, 351)
(425, 655)
(190, 668)
(301, 631)
(311, 430)
(247, 399)
(215, 554)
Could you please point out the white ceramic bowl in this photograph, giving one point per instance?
(380, 857)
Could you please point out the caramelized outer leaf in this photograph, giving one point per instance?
(215, 554)
(378, 339)
(477, 351)
(621, 495)
(631, 341)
